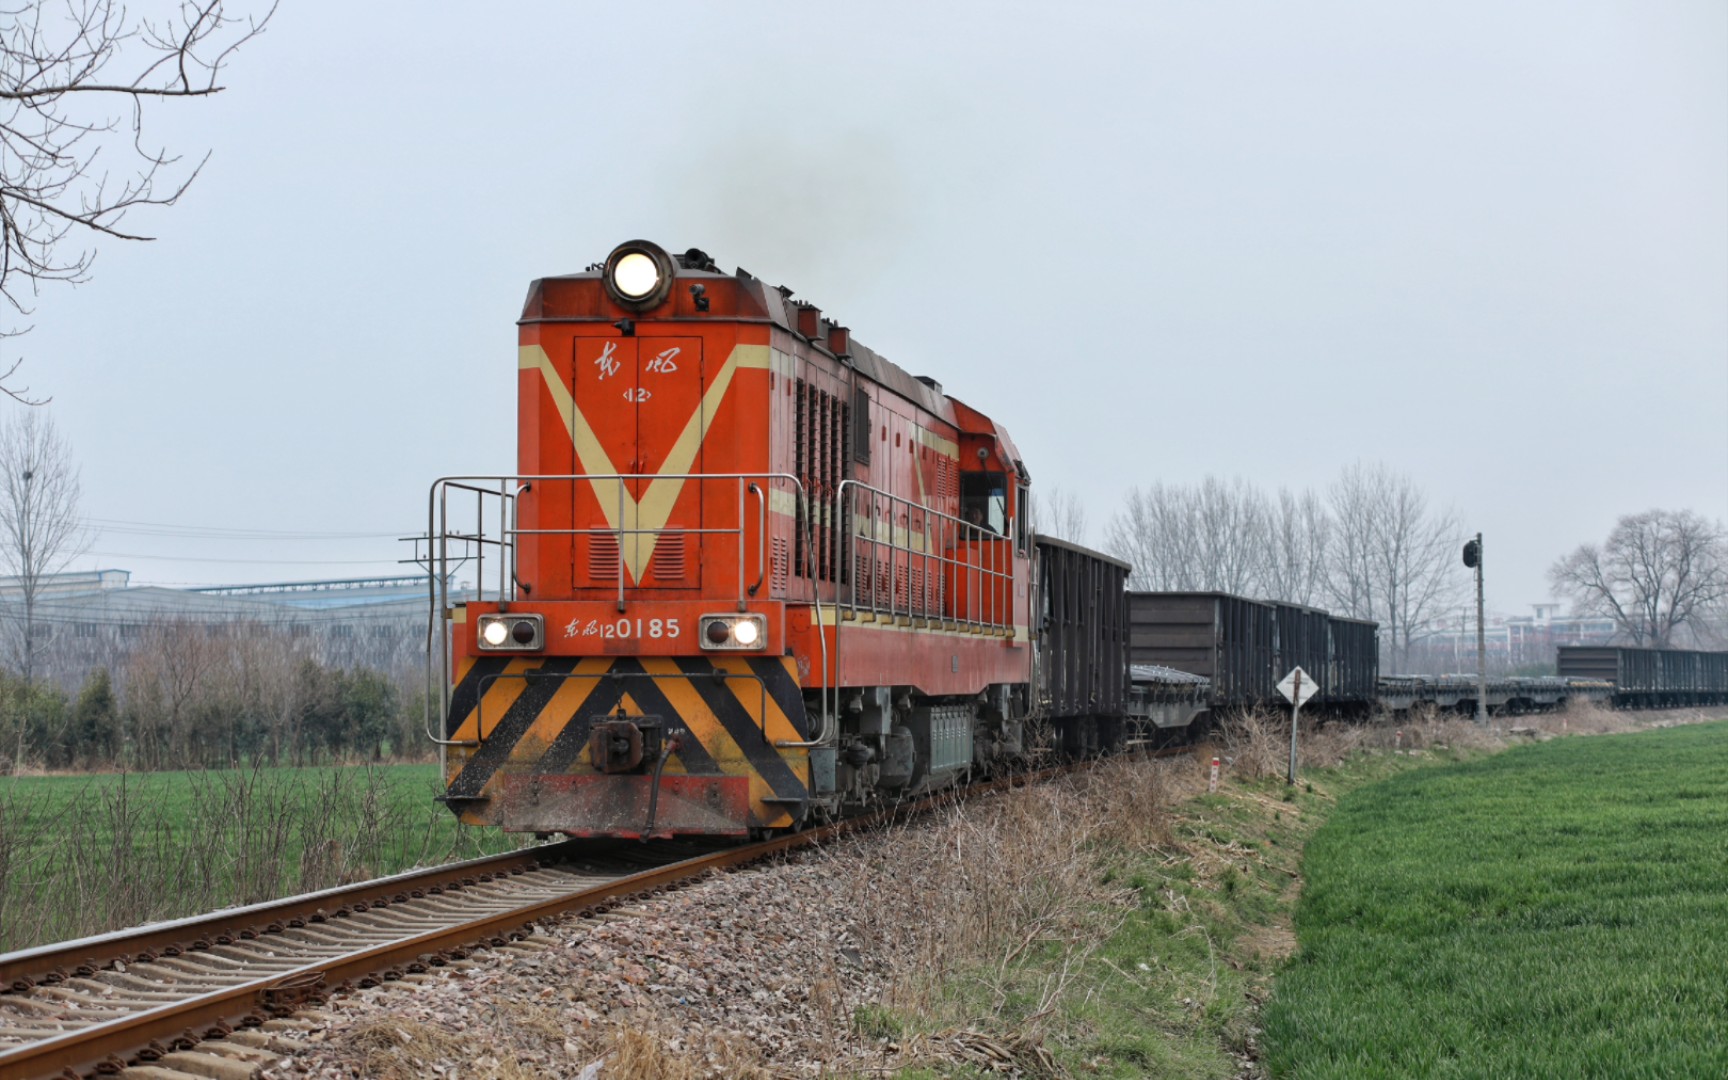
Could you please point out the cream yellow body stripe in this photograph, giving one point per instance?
(655, 507)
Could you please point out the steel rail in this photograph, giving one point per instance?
(115, 1042)
(22, 969)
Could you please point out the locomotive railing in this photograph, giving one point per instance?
(495, 498)
(915, 566)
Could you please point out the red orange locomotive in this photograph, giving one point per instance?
(750, 572)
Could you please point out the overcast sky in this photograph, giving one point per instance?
(1484, 243)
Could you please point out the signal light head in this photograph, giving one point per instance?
(511, 633)
(638, 275)
(733, 632)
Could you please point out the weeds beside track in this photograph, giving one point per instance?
(81, 855)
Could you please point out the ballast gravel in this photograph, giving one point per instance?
(755, 972)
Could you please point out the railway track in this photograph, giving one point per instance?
(140, 1002)
(98, 1005)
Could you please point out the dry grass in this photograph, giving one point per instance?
(1130, 799)
(633, 1054)
(1256, 744)
(398, 1048)
(198, 841)
(998, 881)
(526, 1041)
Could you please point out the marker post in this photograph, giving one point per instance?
(1297, 687)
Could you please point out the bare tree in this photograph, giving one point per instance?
(39, 527)
(1351, 580)
(1391, 556)
(1299, 536)
(1208, 537)
(1231, 522)
(1059, 513)
(1148, 533)
(1658, 572)
(1415, 555)
(75, 77)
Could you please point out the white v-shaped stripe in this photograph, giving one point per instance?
(655, 507)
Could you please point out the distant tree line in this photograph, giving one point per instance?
(185, 698)
(1370, 546)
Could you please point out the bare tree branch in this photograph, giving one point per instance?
(70, 72)
(1060, 514)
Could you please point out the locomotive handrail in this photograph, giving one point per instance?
(438, 580)
(989, 591)
(762, 544)
(438, 537)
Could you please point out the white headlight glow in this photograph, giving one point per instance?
(733, 631)
(635, 275)
(495, 633)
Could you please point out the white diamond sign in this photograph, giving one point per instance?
(1298, 687)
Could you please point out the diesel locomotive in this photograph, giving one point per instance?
(748, 573)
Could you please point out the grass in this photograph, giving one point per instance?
(85, 854)
(1557, 910)
(1124, 925)
(1131, 924)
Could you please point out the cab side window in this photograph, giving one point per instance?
(984, 500)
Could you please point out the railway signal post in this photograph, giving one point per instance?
(1473, 559)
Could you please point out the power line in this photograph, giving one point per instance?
(216, 532)
(260, 562)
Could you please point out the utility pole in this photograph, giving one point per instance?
(1473, 559)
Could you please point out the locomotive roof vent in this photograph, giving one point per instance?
(809, 321)
(928, 381)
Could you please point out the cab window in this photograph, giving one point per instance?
(984, 500)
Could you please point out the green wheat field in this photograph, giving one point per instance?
(1559, 910)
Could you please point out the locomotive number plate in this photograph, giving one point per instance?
(613, 629)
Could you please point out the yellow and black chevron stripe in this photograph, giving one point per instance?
(532, 717)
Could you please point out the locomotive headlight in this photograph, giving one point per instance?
(512, 633)
(638, 275)
(736, 632)
(635, 275)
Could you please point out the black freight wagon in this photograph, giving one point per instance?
(1302, 637)
(1353, 663)
(1645, 678)
(1229, 640)
(1082, 631)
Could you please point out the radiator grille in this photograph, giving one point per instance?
(669, 561)
(603, 557)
